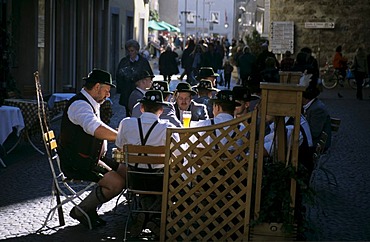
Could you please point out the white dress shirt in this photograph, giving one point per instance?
(128, 132)
(79, 113)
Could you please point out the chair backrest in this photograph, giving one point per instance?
(335, 123)
(320, 146)
(48, 137)
(144, 180)
(290, 76)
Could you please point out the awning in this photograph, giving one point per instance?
(162, 26)
(154, 25)
(169, 26)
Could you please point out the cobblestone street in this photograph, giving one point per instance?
(342, 211)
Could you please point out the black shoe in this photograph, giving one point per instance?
(82, 219)
(340, 95)
(137, 225)
(95, 217)
(154, 228)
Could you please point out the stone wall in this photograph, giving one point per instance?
(351, 18)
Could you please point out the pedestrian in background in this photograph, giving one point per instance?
(187, 61)
(360, 69)
(247, 66)
(287, 62)
(228, 70)
(271, 72)
(128, 68)
(168, 64)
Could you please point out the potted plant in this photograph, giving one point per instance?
(277, 220)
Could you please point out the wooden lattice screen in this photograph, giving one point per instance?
(208, 182)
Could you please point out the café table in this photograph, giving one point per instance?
(57, 102)
(28, 108)
(10, 117)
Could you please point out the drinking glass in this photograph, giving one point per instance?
(186, 117)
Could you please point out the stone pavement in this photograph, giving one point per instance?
(342, 212)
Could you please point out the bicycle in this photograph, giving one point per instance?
(331, 78)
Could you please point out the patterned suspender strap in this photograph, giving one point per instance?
(214, 131)
(145, 139)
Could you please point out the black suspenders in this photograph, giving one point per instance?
(145, 139)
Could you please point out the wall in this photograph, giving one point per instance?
(351, 17)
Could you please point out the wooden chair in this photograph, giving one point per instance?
(143, 181)
(290, 76)
(320, 146)
(335, 124)
(319, 159)
(65, 190)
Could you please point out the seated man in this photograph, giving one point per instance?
(183, 97)
(142, 83)
(243, 96)
(305, 154)
(132, 131)
(317, 115)
(223, 110)
(205, 89)
(168, 111)
(208, 74)
(83, 145)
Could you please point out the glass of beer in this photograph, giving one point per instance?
(186, 117)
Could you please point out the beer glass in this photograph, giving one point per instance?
(186, 117)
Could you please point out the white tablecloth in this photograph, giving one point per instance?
(57, 97)
(10, 117)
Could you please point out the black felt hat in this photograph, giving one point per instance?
(225, 96)
(185, 87)
(99, 76)
(161, 86)
(153, 96)
(243, 94)
(206, 72)
(206, 84)
(142, 74)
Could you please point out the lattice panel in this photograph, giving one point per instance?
(208, 182)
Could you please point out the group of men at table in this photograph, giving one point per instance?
(84, 136)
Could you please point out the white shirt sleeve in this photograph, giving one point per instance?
(80, 113)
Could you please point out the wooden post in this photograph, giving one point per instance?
(279, 100)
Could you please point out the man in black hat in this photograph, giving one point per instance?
(224, 105)
(243, 96)
(205, 89)
(183, 96)
(83, 139)
(209, 74)
(154, 129)
(143, 81)
(317, 115)
(168, 111)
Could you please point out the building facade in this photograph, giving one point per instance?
(64, 40)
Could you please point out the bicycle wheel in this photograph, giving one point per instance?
(352, 83)
(330, 81)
